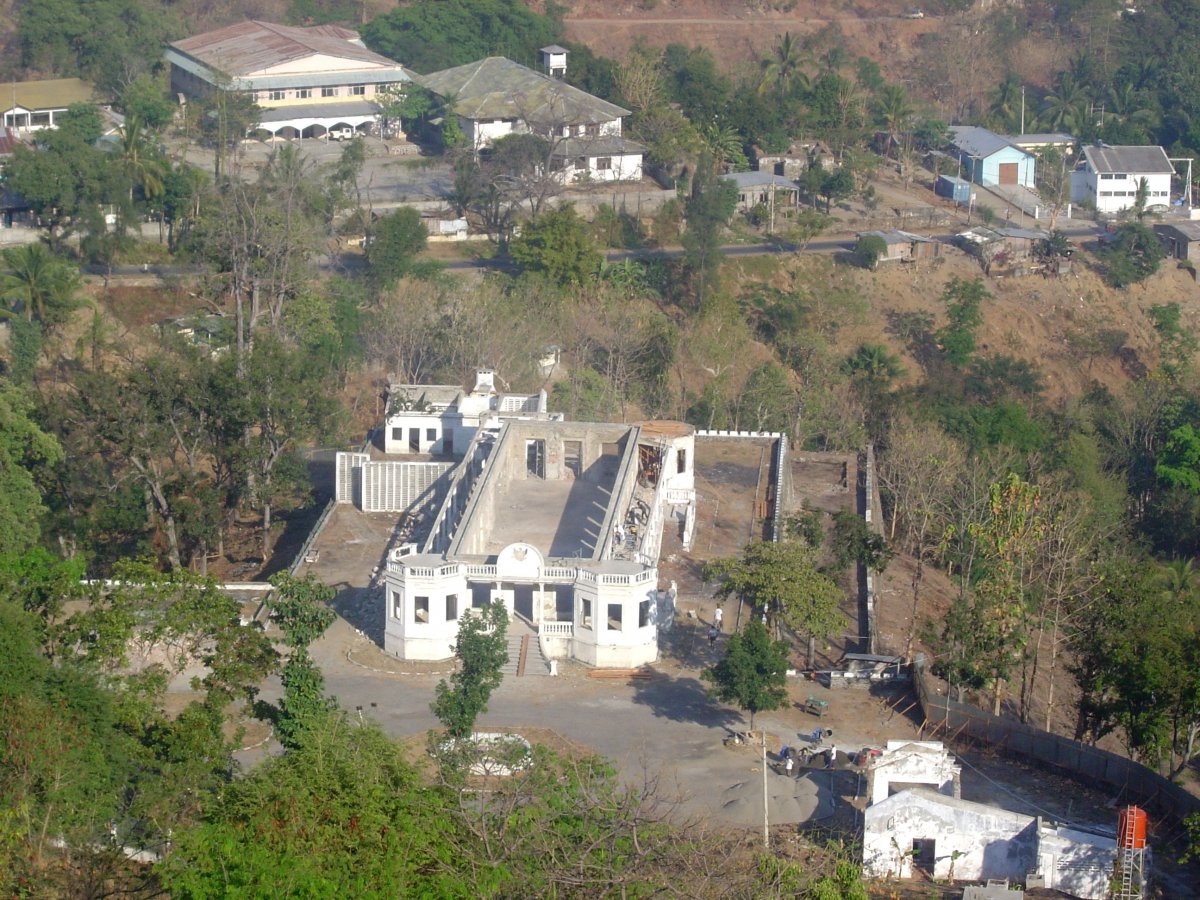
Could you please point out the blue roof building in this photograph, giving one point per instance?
(990, 159)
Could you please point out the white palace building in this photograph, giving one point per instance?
(561, 521)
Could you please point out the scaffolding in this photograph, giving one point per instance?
(1131, 855)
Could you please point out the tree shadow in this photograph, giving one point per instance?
(684, 700)
(900, 701)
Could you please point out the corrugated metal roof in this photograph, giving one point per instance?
(498, 88)
(252, 46)
(1129, 160)
(896, 236)
(759, 179)
(54, 93)
(976, 141)
(1041, 139)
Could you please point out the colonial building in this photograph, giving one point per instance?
(29, 106)
(309, 82)
(560, 521)
(494, 97)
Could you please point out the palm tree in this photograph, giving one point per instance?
(783, 67)
(725, 144)
(146, 170)
(894, 113)
(1064, 107)
(43, 286)
(1004, 106)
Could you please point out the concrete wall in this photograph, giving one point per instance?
(976, 841)
(409, 638)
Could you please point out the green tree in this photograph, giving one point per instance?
(782, 578)
(558, 245)
(44, 287)
(24, 450)
(1133, 256)
(300, 607)
(434, 36)
(1179, 460)
(964, 311)
(837, 186)
(869, 250)
(753, 673)
(482, 650)
(299, 824)
(709, 207)
(396, 240)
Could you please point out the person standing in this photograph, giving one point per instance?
(717, 616)
(832, 756)
(787, 765)
(712, 635)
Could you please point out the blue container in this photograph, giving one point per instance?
(952, 188)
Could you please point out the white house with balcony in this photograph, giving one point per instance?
(495, 97)
(314, 82)
(1110, 177)
(562, 523)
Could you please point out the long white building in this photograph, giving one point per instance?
(309, 82)
(1109, 177)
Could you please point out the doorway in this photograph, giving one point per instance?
(523, 601)
(535, 459)
(1009, 173)
(924, 854)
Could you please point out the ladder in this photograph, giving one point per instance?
(1130, 861)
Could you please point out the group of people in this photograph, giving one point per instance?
(789, 755)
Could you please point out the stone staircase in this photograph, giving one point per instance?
(525, 656)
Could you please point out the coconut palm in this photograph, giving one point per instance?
(894, 113)
(1004, 106)
(1066, 106)
(40, 285)
(725, 144)
(784, 67)
(144, 166)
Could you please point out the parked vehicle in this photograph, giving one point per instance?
(914, 13)
(341, 134)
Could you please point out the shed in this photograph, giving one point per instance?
(990, 159)
(758, 187)
(1181, 240)
(952, 188)
(904, 246)
(1001, 244)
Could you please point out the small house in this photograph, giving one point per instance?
(763, 187)
(796, 159)
(1110, 177)
(904, 246)
(990, 159)
(1181, 240)
(1002, 243)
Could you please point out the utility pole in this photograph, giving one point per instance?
(766, 815)
(1022, 109)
